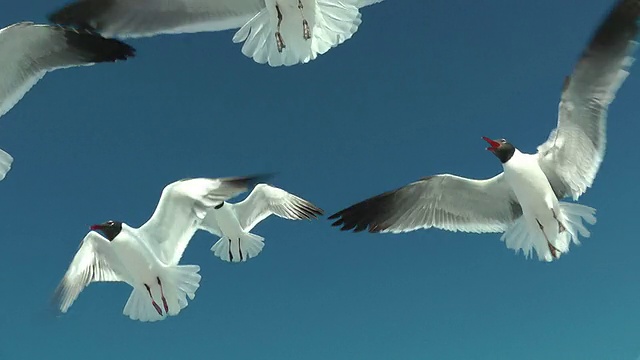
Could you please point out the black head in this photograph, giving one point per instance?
(110, 229)
(502, 149)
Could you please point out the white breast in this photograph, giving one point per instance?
(529, 182)
(139, 260)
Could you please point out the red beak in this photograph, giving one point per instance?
(96, 227)
(494, 144)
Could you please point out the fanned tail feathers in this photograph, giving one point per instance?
(520, 236)
(178, 283)
(330, 23)
(237, 250)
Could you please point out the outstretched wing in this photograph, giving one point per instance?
(265, 200)
(445, 202)
(181, 208)
(573, 153)
(140, 18)
(28, 51)
(94, 261)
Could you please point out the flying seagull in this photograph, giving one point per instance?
(277, 32)
(233, 222)
(147, 257)
(28, 51)
(523, 201)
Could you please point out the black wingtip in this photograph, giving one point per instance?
(334, 216)
(96, 48)
(619, 27)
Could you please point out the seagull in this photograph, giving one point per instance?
(277, 32)
(233, 222)
(28, 51)
(522, 202)
(147, 257)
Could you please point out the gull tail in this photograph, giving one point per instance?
(235, 250)
(336, 23)
(527, 237)
(329, 23)
(572, 215)
(5, 163)
(177, 283)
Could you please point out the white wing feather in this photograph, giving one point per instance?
(574, 151)
(444, 201)
(141, 18)
(182, 207)
(265, 200)
(93, 262)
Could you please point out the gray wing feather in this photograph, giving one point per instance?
(574, 151)
(265, 200)
(445, 201)
(140, 18)
(28, 51)
(93, 262)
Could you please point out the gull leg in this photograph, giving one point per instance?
(306, 32)
(553, 249)
(240, 250)
(164, 300)
(279, 40)
(153, 301)
(230, 253)
(561, 227)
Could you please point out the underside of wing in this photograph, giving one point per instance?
(182, 207)
(140, 18)
(28, 51)
(446, 202)
(574, 151)
(265, 200)
(92, 263)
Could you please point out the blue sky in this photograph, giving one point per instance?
(409, 95)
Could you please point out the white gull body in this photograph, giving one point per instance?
(147, 257)
(523, 202)
(233, 222)
(277, 32)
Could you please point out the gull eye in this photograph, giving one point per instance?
(110, 223)
(503, 141)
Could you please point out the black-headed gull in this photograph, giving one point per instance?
(233, 222)
(28, 51)
(147, 257)
(277, 32)
(523, 201)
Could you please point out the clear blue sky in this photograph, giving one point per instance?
(409, 95)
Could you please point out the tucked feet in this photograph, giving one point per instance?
(561, 227)
(554, 250)
(279, 40)
(164, 300)
(306, 32)
(155, 305)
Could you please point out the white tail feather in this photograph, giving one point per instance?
(523, 236)
(330, 23)
(235, 250)
(178, 283)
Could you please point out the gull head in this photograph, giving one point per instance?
(502, 149)
(110, 229)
